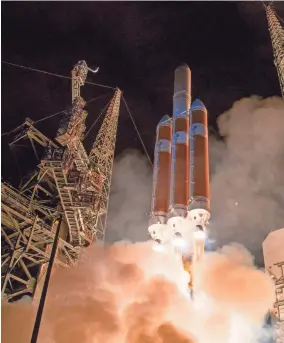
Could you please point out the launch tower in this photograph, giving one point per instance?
(68, 181)
(277, 39)
(273, 253)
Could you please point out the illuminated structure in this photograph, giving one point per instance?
(162, 172)
(181, 199)
(69, 181)
(199, 204)
(277, 39)
(273, 253)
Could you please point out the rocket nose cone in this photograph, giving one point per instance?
(198, 105)
(182, 79)
(164, 120)
(183, 65)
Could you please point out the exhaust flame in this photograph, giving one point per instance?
(128, 293)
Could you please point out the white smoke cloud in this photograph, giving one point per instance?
(128, 293)
(130, 198)
(247, 181)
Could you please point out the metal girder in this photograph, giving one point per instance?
(33, 134)
(25, 239)
(72, 125)
(79, 75)
(279, 292)
(277, 40)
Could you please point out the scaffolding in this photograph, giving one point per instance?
(277, 39)
(67, 182)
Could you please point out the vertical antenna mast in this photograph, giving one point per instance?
(277, 39)
(101, 160)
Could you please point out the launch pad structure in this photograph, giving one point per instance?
(273, 253)
(69, 182)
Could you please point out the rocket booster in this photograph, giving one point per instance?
(199, 203)
(161, 177)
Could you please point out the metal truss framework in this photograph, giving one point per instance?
(69, 182)
(277, 39)
(279, 292)
(26, 241)
(101, 159)
(278, 311)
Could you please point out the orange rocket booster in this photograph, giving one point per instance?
(180, 142)
(199, 204)
(162, 172)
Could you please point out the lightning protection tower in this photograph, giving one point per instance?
(101, 160)
(277, 39)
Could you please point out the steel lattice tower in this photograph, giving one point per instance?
(68, 182)
(277, 39)
(101, 159)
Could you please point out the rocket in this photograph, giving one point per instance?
(180, 208)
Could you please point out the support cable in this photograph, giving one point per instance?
(137, 131)
(87, 82)
(279, 18)
(11, 131)
(95, 122)
(54, 74)
(51, 115)
(47, 117)
(276, 14)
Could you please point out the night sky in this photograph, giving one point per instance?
(137, 46)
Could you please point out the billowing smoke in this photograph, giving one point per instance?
(128, 293)
(130, 198)
(247, 181)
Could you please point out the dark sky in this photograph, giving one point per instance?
(137, 46)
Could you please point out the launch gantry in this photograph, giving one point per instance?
(273, 254)
(277, 39)
(279, 291)
(101, 162)
(69, 182)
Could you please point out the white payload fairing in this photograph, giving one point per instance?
(180, 208)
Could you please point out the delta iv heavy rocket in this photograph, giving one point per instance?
(180, 208)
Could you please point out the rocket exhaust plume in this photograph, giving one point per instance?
(128, 293)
